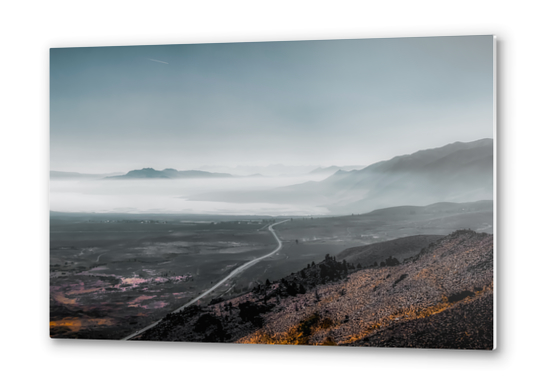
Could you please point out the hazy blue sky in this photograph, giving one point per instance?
(311, 102)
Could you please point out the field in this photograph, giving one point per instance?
(112, 274)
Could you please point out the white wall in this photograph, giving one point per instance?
(28, 29)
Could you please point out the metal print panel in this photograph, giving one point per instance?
(326, 193)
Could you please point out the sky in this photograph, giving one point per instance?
(331, 102)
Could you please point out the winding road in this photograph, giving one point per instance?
(233, 273)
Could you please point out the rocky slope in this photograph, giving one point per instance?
(440, 298)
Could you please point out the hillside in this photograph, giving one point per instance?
(376, 253)
(440, 298)
(457, 172)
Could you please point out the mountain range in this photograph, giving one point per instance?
(274, 170)
(458, 172)
(331, 170)
(280, 170)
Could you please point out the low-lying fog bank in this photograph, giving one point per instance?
(171, 196)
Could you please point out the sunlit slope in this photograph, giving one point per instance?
(444, 295)
(440, 298)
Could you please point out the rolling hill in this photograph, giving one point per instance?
(399, 249)
(168, 173)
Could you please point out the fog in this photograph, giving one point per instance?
(280, 109)
(458, 172)
(172, 196)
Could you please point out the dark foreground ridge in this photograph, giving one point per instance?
(441, 297)
(400, 249)
(469, 325)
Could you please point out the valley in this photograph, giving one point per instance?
(114, 274)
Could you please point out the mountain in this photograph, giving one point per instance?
(168, 173)
(458, 172)
(276, 170)
(59, 175)
(331, 170)
(442, 297)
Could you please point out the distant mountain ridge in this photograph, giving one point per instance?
(276, 170)
(334, 168)
(168, 173)
(457, 172)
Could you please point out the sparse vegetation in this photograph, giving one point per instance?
(271, 302)
(352, 311)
